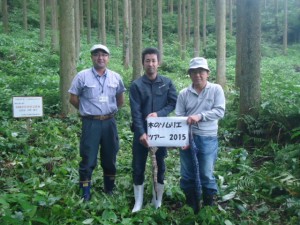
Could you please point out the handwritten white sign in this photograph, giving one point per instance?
(167, 131)
(27, 107)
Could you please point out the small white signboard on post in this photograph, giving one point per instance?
(27, 107)
(167, 131)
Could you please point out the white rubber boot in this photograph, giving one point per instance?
(138, 196)
(157, 197)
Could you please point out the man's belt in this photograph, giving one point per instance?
(100, 117)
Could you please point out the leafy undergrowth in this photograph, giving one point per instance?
(39, 157)
(39, 182)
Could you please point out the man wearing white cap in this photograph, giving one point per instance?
(97, 93)
(204, 104)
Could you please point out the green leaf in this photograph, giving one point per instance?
(109, 215)
(228, 222)
(4, 203)
(88, 221)
(40, 220)
(229, 196)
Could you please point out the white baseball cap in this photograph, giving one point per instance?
(101, 47)
(199, 62)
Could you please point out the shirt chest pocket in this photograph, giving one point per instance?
(112, 88)
(90, 91)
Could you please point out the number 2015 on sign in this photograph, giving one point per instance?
(172, 137)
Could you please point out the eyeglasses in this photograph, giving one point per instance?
(100, 54)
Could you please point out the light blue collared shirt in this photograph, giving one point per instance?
(97, 94)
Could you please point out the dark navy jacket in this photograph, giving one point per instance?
(148, 96)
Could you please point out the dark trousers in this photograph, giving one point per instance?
(95, 134)
(139, 159)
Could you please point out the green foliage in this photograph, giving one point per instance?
(273, 22)
(39, 157)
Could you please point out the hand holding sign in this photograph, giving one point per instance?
(167, 131)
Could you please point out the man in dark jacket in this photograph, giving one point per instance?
(152, 95)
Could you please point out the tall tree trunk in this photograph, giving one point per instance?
(183, 31)
(116, 12)
(5, 16)
(25, 23)
(81, 9)
(285, 28)
(189, 15)
(77, 28)
(67, 53)
(99, 11)
(221, 42)
(171, 7)
(54, 26)
(125, 34)
(204, 24)
(88, 21)
(276, 16)
(179, 21)
(239, 46)
(151, 20)
(230, 17)
(103, 27)
(144, 9)
(130, 31)
(159, 28)
(197, 29)
(42, 21)
(109, 15)
(250, 94)
(137, 38)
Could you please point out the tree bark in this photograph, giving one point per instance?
(183, 30)
(144, 9)
(103, 25)
(204, 24)
(125, 34)
(221, 42)
(250, 94)
(88, 21)
(151, 19)
(137, 38)
(171, 7)
(5, 16)
(116, 17)
(159, 28)
(230, 17)
(81, 17)
(189, 15)
(179, 21)
(99, 11)
(77, 28)
(130, 31)
(42, 21)
(67, 53)
(276, 15)
(239, 25)
(285, 28)
(197, 29)
(54, 26)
